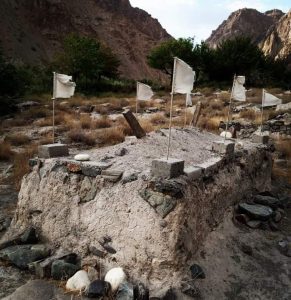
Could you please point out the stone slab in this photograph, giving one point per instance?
(167, 168)
(210, 166)
(193, 172)
(226, 147)
(112, 175)
(53, 150)
(260, 139)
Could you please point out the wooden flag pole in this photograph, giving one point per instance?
(262, 110)
(136, 97)
(229, 108)
(171, 108)
(54, 90)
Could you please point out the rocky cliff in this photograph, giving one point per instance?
(32, 31)
(245, 22)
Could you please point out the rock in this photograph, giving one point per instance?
(82, 157)
(23, 255)
(98, 288)
(5, 223)
(92, 274)
(115, 277)
(109, 249)
(121, 152)
(285, 247)
(285, 201)
(78, 282)
(125, 292)
(92, 169)
(61, 270)
(257, 211)
(111, 175)
(97, 252)
(170, 295)
(189, 289)
(74, 167)
(197, 272)
(129, 178)
(29, 236)
(242, 218)
(277, 217)
(36, 290)
(273, 226)
(140, 292)
(254, 224)
(267, 201)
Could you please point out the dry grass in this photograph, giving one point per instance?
(210, 124)
(20, 164)
(103, 122)
(248, 114)
(85, 121)
(17, 139)
(5, 151)
(110, 136)
(284, 146)
(146, 125)
(80, 136)
(158, 119)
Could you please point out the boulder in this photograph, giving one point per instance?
(197, 272)
(97, 289)
(61, 270)
(125, 292)
(23, 255)
(267, 201)
(257, 211)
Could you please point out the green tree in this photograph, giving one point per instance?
(86, 58)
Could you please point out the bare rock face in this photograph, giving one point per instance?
(32, 31)
(278, 39)
(244, 22)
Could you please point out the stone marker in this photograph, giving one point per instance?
(167, 168)
(226, 147)
(193, 172)
(53, 150)
(260, 139)
(196, 115)
(134, 124)
(257, 211)
(111, 175)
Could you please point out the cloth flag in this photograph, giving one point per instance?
(64, 87)
(183, 77)
(188, 100)
(144, 92)
(270, 100)
(239, 91)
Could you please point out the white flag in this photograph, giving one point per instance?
(270, 100)
(188, 100)
(144, 92)
(239, 91)
(64, 87)
(183, 77)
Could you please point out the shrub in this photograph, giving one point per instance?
(110, 136)
(103, 122)
(85, 121)
(79, 136)
(248, 114)
(5, 151)
(17, 139)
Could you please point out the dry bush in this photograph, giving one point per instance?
(217, 105)
(79, 136)
(20, 164)
(110, 136)
(280, 172)
(17, 139)
(71, 122)
(103, 122)
(16, 122)
(146, 125)
(121, 123)
(284, 147)
(158, 119)
(210, 124)
(37, 113)
(248, 114)
(85, 121)
(272, 113)
(5, 151)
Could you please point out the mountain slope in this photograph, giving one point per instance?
(32, 31)
(246, 22)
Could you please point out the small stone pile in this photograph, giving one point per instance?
(264, 211)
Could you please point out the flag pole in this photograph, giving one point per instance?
(229, 108)
(136, 97)
(54, 90)
(262, 110)
(171, 108)
(185, 121)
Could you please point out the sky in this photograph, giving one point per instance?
(197, 18)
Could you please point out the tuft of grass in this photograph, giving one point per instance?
(17, 139)
(158, 119)
(110, 136)
(79, 136)
(103, 122)
(5, 151)
(85, 121)
(284, 146)
(210, 124)
(248, 114)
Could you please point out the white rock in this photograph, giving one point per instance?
(115, 277)
(82, 157)
(79, 282)
(226, 134)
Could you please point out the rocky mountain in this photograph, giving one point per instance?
(32, 31)
(246, 22)
(277, 42)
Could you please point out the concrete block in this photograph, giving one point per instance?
(226, 147)
(167, 168)
(260, 139)
(211, 166)
(193, 172)
(53, 150)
